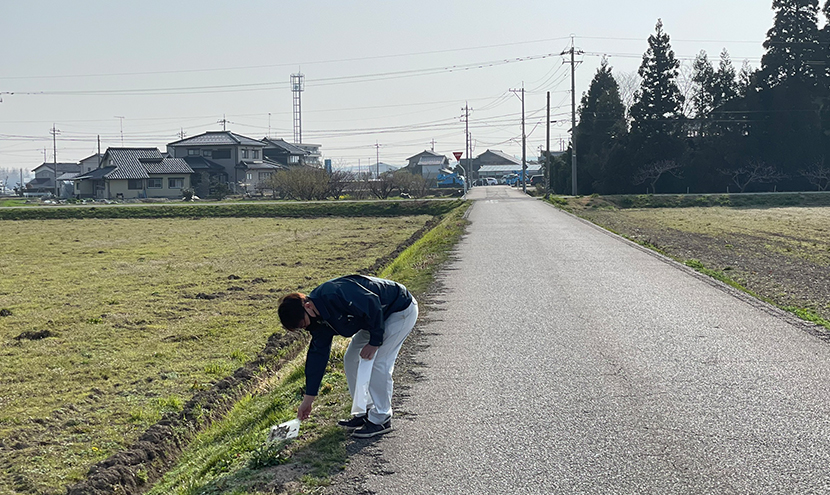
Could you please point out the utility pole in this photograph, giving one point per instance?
(377, 159)
(54, 133)
(547, 156)
(468, 149)
(432, 143)
(122, 129)
(223, 122)
(524, 155)
(573, 51)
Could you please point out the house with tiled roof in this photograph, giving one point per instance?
(130, 173)
(284, 153)
(225, 148)
(90, 163)
(257, 174)
(428, 164)
(291, 154)
(44, 181)
(498, 164)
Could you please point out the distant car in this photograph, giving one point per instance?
(491, 181)
(537, 179)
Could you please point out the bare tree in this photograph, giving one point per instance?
(687, 86)
(338, 182)
(629, 83)
(817, 174)
(303, 183)
(359, 187)
(383, 186)
(756, 171)
(651, 173)
(410, 184)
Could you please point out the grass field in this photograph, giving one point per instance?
(108, 323)
(780, 254)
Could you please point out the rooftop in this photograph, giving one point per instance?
(218, 138)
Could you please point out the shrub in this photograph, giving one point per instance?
(219, 190)
(301, 183)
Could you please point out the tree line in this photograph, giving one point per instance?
(309, 183)
(747, 130)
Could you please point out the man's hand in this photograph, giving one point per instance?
(368, 351)
(304, 410)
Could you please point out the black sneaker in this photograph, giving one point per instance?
(371, 429)
(355, 422)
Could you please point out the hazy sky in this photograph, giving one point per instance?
(393, 73)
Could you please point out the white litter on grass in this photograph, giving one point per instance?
(361, 389)
(284, 431)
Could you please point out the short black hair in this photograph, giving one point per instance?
(291, 310)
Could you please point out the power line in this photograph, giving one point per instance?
(272, 85)
(291, 64)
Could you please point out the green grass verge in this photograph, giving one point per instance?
(250, 210)
(232, 457)
(717, 275)
(14, 202)
(416, 266)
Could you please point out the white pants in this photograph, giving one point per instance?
(397, 327)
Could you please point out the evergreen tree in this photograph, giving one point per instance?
(725, 83)
(790, 89)
(658, 103)
(824, 40)
(792, 45)
(601, 124)
(824, 80)
(746, 80)
(713, 90)
(656, 115)
(703, 98)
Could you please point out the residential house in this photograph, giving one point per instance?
(129, 173)
(91, 162)
(427, 164)
(497, 164)
(207, 174)
(225, 148)
(285, 153)
(256, 174)
(44, 182)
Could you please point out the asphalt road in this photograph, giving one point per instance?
(558, 358)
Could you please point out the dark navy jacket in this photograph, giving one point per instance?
(347, 305)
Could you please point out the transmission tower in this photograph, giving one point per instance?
(297, 87)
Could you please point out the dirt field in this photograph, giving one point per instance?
(780, 254)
